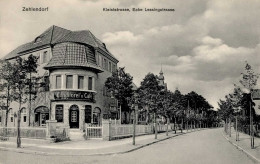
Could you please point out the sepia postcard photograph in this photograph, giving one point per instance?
(129, 81)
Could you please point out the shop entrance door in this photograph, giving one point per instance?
(74, 116)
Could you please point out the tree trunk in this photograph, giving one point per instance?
(134, 124)
(167, 127)
(229, 127)
(18, 130)
(155, 126)
(30, 99)
(19, 121)
(7, 110)
(174, 124)
(181, 124)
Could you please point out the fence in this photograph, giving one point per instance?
(117, 131)
(26, 132)
(115, 122)
(246, 129)
(127, 130)
(93, 131)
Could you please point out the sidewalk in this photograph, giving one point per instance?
(87, 147)
(244, 144)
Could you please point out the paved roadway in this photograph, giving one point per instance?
(201, 147)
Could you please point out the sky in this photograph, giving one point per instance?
(202, 46)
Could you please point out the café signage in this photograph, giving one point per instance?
(74, 95)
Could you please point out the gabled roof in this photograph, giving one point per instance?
(55, 35)
(48, 37)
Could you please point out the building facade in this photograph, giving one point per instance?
(74, 66)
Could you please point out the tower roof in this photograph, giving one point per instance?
(161, 77)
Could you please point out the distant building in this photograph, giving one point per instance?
(74, 66)
(161, 80)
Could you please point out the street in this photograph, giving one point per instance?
(201, 147)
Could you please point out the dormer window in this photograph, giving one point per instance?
(45, 57)
(38, 39)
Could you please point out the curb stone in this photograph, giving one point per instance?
(243, 150)
(23, 151)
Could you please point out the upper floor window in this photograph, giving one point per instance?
(11, 112)
(100, 60)
(23, 111)
(80, 82)
(109, 67)
(97, 59)
(58, 82)
(113, 67)
(45, 57)
(90, 83)
(69, 81)
(45, 83)
(106, 64)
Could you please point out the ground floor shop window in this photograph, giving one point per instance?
(88, 114)
(59, 113)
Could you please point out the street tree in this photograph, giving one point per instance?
(19, 92)
(249, 81)
(30, 68)
(7, 73)
(120, 84)
(151, 96)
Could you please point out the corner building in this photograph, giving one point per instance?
(74, 66)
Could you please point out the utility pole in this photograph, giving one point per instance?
(155, 126)
(251, 124)
(134, 125)
(236, 130)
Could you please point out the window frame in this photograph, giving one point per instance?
(62, 108)
(83, 82)
(56, 76)
(89, 116)
(69, 75)
(45, 57)
(92, 83)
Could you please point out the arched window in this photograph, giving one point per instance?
(96, 115)
(41, 115)
(23, 111)
(23, 114)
